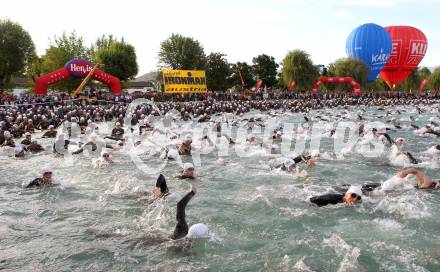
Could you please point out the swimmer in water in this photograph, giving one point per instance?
(423, 182)
(104, 160)
(28, 139)
(8, 140)
(161, 189)
(60, 146)
(118, 146)
(51, 133)
(45, 180)
(353, 196)
(19, 152)
(187, 172)
(181, 230)
(117, 132)
(185, 147)
(34, 147)
(91, 142)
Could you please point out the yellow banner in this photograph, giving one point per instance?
(184, 81)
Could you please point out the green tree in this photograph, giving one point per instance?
(16, 51)
(118, 57)
(349, 67)
(264, 67)
(217, 72)
(181, 53)
(35, 68)
(424, 72)
(246, 73)
(412, 82)
(298, 66)
(379, 85)
(60, 51)
(434, 80)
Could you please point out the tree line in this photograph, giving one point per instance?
(18, 58)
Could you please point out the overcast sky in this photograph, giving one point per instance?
(241, 29)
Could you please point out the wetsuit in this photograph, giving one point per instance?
(432, 186)
(38, 182)
(218, 127)
(436, 133)
(43, 125)
(9, 142)
(26, 142)
(301, 158)
(34, 148)
(411, 158)
(324, 200)
(185, 177)
(162, 184)
(117, 132)
(387, 136)
(181, 229)
(49, 134)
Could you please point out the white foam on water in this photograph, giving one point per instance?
(348, 253)
(409, 206)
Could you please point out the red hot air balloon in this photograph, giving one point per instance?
(409, 46)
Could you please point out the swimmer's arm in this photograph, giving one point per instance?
(181, 205)
(423, 181)
(78, 151)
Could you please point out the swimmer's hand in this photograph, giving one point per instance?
(193, 189)
(310, 163)
(302, 174)
(406, 172)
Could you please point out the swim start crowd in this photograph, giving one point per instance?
(60, 121)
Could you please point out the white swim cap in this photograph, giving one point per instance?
(279, 133)
(118, 124)
(47, 169)
(314, 153)
(173, 154)
(188, 137)
(288, 162)
(199, 230)
(7, 134)
(187, 165)
(51, 126)
(18, 150)
(355, 189)
(27, 134)
(120, 142)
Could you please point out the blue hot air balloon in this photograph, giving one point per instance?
(371, 44)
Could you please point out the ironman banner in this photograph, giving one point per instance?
(184, 81)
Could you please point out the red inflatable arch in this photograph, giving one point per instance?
(337, 80)
(77, 68)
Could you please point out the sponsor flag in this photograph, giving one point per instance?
(184, 81)
(423, 84)
(257, 87)
(291, 85)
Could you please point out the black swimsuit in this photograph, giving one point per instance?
(432, 186)
(181, 229)
(324, 200)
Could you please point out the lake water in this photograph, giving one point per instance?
(259, 219)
